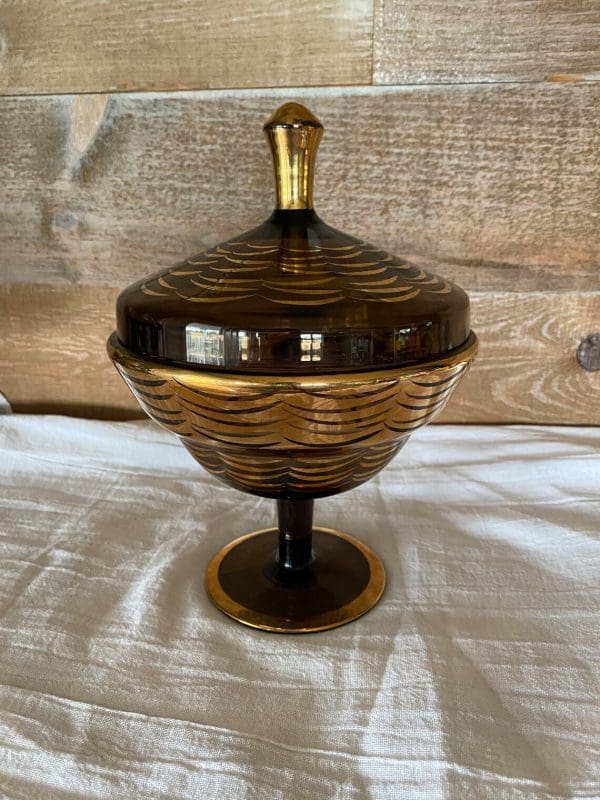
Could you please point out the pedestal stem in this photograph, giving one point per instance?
(295, 533)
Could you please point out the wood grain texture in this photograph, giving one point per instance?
(495, 187)
(432, 41)
(53, 357)
(105, 46)
(527, 370)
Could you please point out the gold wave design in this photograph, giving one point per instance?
(275, 436)
(240, 271)
(323, 474)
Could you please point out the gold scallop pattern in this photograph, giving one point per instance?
(275, 437)
(240, 271)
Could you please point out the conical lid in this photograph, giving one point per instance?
(293, 295)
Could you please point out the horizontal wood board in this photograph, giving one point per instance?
(107, 46)
(103, 46)
(53, 357)
(482, 166)
(433, 41)
(497, 187)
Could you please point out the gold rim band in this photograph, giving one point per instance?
(213, 379)
(321, 622)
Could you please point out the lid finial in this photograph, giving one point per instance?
(294, 135)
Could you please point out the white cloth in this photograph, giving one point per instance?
(475, 677)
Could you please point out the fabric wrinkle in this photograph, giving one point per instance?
(477, 675)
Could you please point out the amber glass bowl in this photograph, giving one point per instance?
(293, 362)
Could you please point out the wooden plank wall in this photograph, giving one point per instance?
(130, 136)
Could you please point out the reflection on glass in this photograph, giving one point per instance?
(204, 344)
(244, 343)
(310, 346)
(402, 340)
(360, 350)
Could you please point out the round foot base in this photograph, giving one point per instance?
(343, 582)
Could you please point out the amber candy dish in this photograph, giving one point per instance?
(293, 362)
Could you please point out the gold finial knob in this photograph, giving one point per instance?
(294, 135)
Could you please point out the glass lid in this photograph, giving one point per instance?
(293, 295)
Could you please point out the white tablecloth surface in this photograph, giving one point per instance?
(475, 677)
